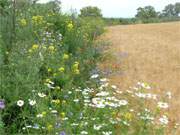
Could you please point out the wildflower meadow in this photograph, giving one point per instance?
(51, 85)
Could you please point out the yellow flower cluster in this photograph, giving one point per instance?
(23, 22)
(57, 101)
(128, 116)
(49, 70)
(33, 48)
(61, 69)
(51, 14)
(37, 20)
(51, 48)
(44, 113)
(49, 127)
(55, 74)
(65, 57)
(63, 114)
(75, 68)
(70, 26)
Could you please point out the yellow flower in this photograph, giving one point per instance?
(51, 14)
(35, 46)
(76, 71)
(55, 74)
(58, 88)
(51, 48)
(49, 127)
(64, 101)
(76, 65)
(61, 69)
(44, 113)
(70, 25)
(23, 22)
(114, 113)
(65, 56)
(57, 101)
(37, 19)
(63, 114)
(49, 70)
(75, 68)
(48, 80)
(30, 50)
(128, 116)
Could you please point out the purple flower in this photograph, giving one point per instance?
(2, 104)
(62, 133)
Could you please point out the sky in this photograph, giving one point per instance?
(114, 8)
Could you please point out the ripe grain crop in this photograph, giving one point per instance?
(146, 52)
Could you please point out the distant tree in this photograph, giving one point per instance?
(22, 3)
(169, 11)
(90, 12)
(177, 9)
(146, 13)
(54, 5)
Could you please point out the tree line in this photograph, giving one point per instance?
(146, 14)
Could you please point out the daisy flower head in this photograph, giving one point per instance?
(20, 103)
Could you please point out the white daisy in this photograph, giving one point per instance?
(54, 111)
(98, 102)
(39, 115)
(163, 105)
(103, 93)
(84, 133)
(94, 76)
(164, 120)
(76, 100)
(104, 80)
(97, 127)
(20, 103)
(107, 133)
(32, 102)
(41, 94)
(123, 102)
(169, 94)
(114, 86)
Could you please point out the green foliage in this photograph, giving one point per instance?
(171, 10)
(120, 21)
(94, 27)
(146, 14)
(48, 46)
(177, 8)
(90, 12)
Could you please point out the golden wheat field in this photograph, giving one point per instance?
(148, 53)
